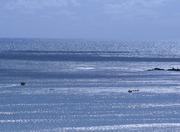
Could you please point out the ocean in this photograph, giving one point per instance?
(78, 85)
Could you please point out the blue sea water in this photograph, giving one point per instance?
(82, 86)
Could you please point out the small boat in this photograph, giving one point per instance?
(130, 91)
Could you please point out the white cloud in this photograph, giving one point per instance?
(39, 4)
(115, 8)
(133, 6)
(43, 8)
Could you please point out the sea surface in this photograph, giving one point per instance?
(82, 86)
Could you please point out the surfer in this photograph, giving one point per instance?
(130, 91)
(23, 83)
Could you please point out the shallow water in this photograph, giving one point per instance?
(82, 86)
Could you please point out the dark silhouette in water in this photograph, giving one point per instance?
(23, 83)
(156, 69)
(160, 69)
(130, 91)
(173, 69)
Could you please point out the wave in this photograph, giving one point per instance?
(160, 127)
(89, 56)
(8, 85)
(77, 75)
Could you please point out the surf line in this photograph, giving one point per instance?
(119, 127)
(8, 85)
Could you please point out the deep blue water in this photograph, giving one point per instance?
(82, 85)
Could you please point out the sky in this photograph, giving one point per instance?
(101, 19)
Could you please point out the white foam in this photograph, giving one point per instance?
(85, 68)
(8, 85)
(120, 127)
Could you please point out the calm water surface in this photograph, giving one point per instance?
(82, 86)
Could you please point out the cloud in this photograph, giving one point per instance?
(134, 7)
(89, 18)
(110, 6)
(38, 4)
(87, 8)
(40, 7)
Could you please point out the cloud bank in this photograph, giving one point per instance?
(91, 18)
(107, 6)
